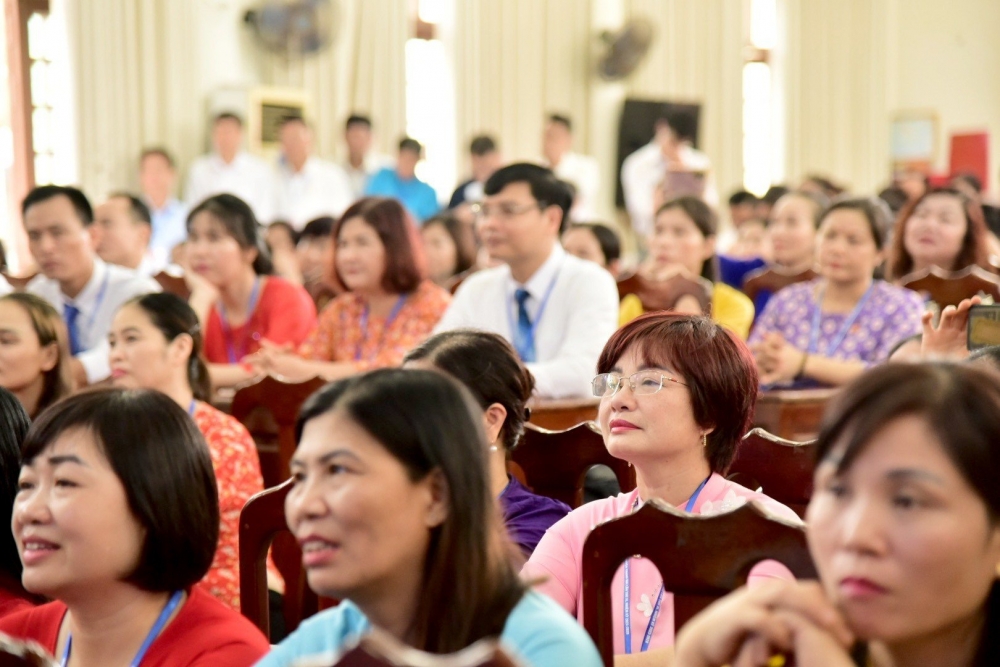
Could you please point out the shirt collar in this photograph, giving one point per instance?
(86, 300)
(237, 162)
(172, 204)
(539, 282)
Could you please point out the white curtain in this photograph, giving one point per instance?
(836, 83)
(364, 71)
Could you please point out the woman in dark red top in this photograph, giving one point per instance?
(243, 304)
(116, 518)
(13, 427)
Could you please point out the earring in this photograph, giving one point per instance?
(704, 439)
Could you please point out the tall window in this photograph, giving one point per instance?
(41, 74)
(758, 170)
(430, 93)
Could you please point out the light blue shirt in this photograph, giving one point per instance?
(169, 228)
(538, 633)
(418, 197)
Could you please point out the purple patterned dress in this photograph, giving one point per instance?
(888, 315)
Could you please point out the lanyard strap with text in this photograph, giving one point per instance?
(154, 632)
(845, 328)
(538, 316)
(227, 332)
(648, 636)
(393, 314)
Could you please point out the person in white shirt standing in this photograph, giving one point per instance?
(580, 171)
(78, 284)
(307, 186)
(157, 179)
(123, 228)
(557, 310)
(646, 173)
(230, 169)
(362, 161)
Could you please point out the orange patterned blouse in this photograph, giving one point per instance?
(237, 472)
(346, 334)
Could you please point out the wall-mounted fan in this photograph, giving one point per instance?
(294, 27)
(625, 49)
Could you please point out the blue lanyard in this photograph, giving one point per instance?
(393, 314)
(538, 316)
(154, 632)
(227, 332)
(845, 328)
(191, 408)
(648, 636)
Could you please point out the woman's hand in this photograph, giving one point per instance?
(748, 627)
(777, 359)
(949, 339)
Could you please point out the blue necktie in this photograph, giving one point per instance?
(70, 313)
(524, 338)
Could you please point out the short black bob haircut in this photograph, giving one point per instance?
(42, 193)
(959, 402)
(545, 187)
(162, 461)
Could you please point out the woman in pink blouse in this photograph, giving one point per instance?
(390, 307)
(677, 395)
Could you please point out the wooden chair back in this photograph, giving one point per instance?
(948, 288)
(781, 469)
(554, 463)
(262, 523)
(772, 280)
(664, 294)
(268, 408)
(172, 284)
(792, 414)
(562, 413)
(701, 558)
(379, 649)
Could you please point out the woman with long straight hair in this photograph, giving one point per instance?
(394, 514)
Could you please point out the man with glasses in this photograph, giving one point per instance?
(557, 310)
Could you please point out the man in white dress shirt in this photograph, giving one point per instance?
(362, 161)
(580, 171)
(122, 229)
(78, 284)
(307, 187)
(230, 169)
(645, 171)
(557, 310)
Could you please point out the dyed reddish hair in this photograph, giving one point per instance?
(404, 259)
(718, 368)
(973, 245)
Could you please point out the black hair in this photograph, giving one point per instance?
(136, 207)
(895, 198)
(173, 316)
(162, 461)
(988, 356)
(160, 151)
(435, 427)
(41, 193)
(358, 119)
(292, 118)
(742, 197)
(874, 210)
(607, 238)
(3, 257)
(707, 222)
(561, 119)
(293, 235)
(318, 228)
(774, 193)
(971, 179)
(14, 424)
(960, 404)
(410, 144)
(818, 201)
(228, 115)
(545, 187)
(488, 367)
(482, 145)
(238, 219)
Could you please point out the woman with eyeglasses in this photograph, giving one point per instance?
(677, 395)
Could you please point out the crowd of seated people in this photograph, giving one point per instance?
(402, 496)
